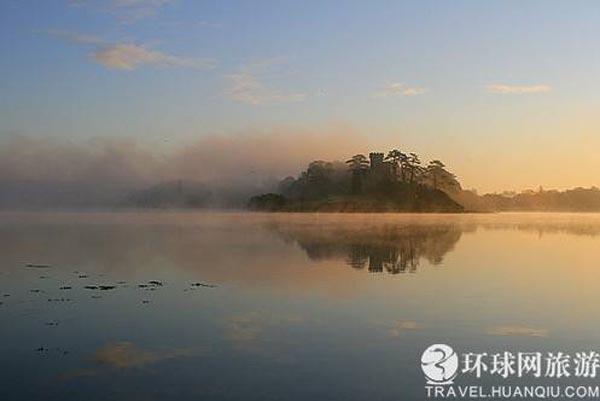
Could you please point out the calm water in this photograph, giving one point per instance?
(200, 306)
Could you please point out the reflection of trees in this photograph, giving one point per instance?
(393, 259)
(384, 247)
(380, 258)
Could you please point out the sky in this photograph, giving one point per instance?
(504, 92)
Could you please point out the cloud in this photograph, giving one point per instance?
(125, 10)
(247, 88)
(132, 10)
(78, 3)
(76, 38)
(208, 24)
(249, 84)
(129, 56)
(399, 89)
(517, 89)
(510, 330)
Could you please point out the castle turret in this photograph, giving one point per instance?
(376, 161)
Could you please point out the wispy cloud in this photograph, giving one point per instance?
(399, 89)
(208, 24)
(124, 10)
(129, 56)
(510, 330)
(77, 38)
(249, 85)
(248, 88)
(517, 89)
(132, 10)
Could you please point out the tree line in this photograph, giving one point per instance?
(407, 168)
(397, 170)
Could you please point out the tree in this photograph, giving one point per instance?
(398, 159)
(440, 178)
(414, 167)
(319, 172)
(358, 164)
(435, 170)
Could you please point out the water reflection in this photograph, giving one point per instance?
(194, 306)
(393, 248)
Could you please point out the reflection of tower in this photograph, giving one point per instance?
(377, 257)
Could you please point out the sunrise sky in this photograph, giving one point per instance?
(506, 93)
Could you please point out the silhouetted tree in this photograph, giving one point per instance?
(414, 167)
(435, 170)
(319, 172)
(358, 164)
(440, 178)
(398, 159)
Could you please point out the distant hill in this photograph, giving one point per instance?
(572, 200)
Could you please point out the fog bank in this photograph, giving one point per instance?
(42, 172)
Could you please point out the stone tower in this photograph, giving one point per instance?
(376, 159)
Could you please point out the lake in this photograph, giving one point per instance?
(240, 306)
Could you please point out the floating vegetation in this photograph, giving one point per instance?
(38, 266)
(152, 284)
(45, 351)
(59, 299)
(204, 285)
(100, 287)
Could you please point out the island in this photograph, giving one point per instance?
(392, 182)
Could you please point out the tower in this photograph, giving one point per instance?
(376, 159)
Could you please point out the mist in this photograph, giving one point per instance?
(40, 172)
